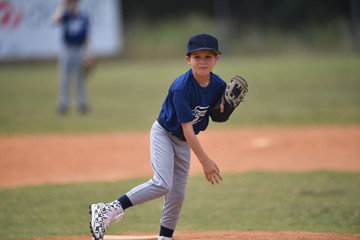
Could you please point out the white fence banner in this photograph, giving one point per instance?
(26, 30)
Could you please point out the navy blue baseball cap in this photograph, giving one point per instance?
(202, 41)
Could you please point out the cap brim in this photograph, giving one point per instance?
(204, 48)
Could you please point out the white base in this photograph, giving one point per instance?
(123, 237)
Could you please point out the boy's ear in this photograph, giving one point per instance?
(188, 60)
(216, 58)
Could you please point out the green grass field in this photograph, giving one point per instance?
(316, 201)
(127, 95)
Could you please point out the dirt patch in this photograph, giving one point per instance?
(263, 235)
(33, 160)
(243, 235)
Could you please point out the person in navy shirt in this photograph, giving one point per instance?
(183, 115)
(189, 101)
(75, 51)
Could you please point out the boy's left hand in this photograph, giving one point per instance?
(233, 95)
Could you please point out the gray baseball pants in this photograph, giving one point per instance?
(170, 160)
(70, 65)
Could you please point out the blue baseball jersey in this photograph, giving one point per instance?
(187, 101)
(75, 28)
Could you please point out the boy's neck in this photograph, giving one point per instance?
(203, 81)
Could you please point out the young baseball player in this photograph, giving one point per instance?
(75, 49)
(173, 135)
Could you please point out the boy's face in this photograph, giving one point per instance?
(202, 62)
(72, 4)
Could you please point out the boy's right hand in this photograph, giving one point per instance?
(211, 171)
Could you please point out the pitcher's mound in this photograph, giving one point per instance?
(228, 235)
(123, 237)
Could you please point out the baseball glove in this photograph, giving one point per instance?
(234, 94)
(89, 65)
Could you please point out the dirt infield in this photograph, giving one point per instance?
(244, 235)
(32, 160)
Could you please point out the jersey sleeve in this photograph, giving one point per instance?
(65, 17)
(220, 88)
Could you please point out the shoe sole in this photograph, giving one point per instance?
(91, 227)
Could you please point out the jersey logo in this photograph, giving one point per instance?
(198, 112)
(76, 26)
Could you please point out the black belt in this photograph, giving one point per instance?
(181, 138)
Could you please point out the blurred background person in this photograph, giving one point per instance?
(75, 53)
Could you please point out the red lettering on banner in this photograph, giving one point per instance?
(9, 16)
